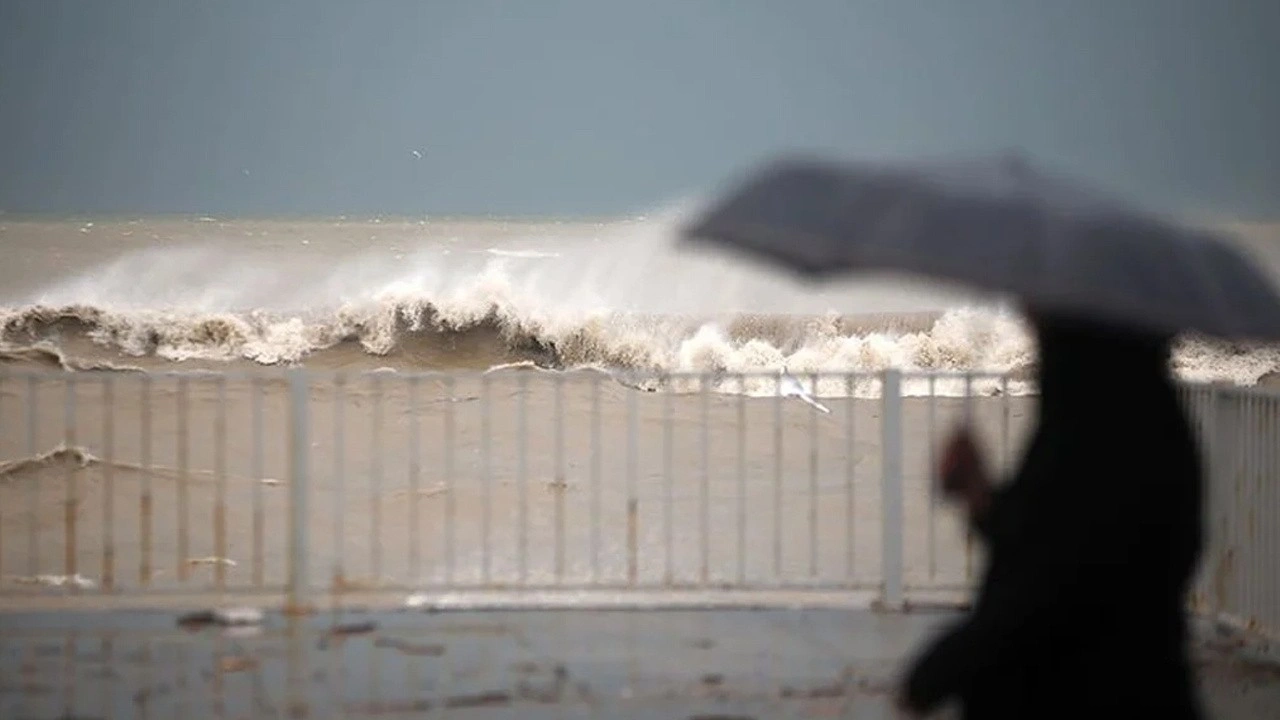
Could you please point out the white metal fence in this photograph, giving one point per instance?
(525, 484)
(1240, 438)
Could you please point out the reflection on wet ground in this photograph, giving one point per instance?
(522, 663)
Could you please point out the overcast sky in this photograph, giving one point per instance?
(590, 107)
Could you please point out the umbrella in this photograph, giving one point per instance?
(1002, 225)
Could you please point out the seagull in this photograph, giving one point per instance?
(417, 154)
(791, 387)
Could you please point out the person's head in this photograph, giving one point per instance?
(1078, 356)
(1108, 407)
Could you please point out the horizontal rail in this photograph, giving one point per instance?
(324, 375)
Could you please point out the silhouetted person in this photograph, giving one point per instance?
(1093, 547)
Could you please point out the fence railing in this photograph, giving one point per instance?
(523, 483)
(1240, 439)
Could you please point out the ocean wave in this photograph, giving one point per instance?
(45, 353)
(632, 309)
(407, 332)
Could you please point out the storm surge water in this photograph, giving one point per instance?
(475, 295)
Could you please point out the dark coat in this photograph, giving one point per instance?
(1093, 547)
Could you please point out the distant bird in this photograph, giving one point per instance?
(791, 387)
(417, 154)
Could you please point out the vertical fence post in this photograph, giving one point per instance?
(1210, 444)
(1219, 472)
(891, 488)
(298, 477)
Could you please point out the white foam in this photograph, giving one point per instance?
(521, 253)
(632, 305)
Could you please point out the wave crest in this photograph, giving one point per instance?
(427, 333)
(441, 308)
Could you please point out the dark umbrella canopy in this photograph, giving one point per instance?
(1001, 225)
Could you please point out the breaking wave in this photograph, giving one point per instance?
(555, 303)
(415, 333)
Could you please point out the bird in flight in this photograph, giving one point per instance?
(791, 387)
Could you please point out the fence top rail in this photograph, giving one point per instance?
(284, 372)
(556, 375)
(1239, 391)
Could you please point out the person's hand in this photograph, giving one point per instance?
(963, 473)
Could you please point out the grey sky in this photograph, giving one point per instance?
(571, 107)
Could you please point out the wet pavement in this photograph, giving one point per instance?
(686, 664)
